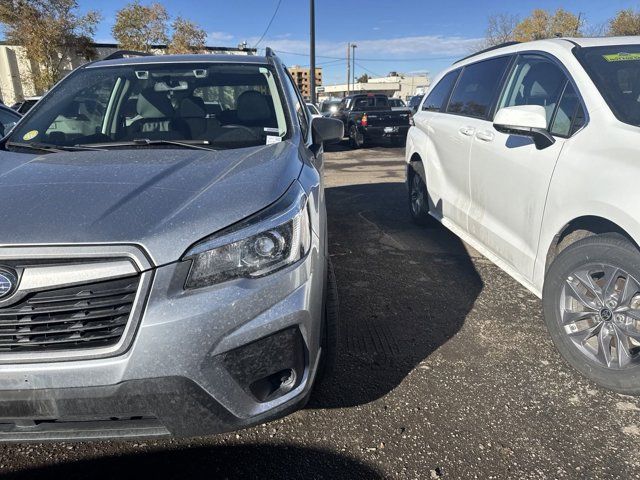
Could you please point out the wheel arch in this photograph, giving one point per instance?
(583, 227)
(415, 165)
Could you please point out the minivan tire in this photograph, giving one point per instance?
(619, 260)
(418, 196)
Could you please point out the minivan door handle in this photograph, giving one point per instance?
(485, 136)
(468, 131)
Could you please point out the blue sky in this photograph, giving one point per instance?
(402, 35)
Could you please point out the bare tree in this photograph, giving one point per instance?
(501, 29)
(50, 32)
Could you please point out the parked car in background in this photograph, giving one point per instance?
(330, 107)
(24, 106)
(369, 117)
(8, 119)
(165, 270)
(529, 153)
(414, 103)
(397, 104)
(313, 110)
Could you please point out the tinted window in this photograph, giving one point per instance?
(616, 72)
(535, 81)
(477, 88)
(567, 110)
(7, 121)
(440, 93)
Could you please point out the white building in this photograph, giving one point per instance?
(394, 85)
(16, 84)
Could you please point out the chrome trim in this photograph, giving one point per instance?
(45, 278)
(72, 252)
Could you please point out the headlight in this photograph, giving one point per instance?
(275, 238)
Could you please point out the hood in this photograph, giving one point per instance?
(162, 199)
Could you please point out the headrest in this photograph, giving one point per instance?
(154, 105)
(252, 107)
(547, 80)
(193, 107)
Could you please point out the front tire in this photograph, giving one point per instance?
(591, 301)
(330, 327)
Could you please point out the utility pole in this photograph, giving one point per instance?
(353, 59)
(349, 68)
(312, 49)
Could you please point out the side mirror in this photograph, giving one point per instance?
(326, 130)
(525, 121)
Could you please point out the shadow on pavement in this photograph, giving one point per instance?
(404, 291)
(211, 463)
(344, 146)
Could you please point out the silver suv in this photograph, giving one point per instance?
(164, 264)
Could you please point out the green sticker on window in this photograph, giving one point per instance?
(622, 57)
(30, 135)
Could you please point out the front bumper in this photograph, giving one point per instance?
(197, 364)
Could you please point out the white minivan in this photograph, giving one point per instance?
(530, 153)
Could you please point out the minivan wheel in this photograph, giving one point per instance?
(330, 327)
(356, 139)
(418, 200)
(591, 303)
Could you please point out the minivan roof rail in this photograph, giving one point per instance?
(269, 52)
(125, 54)
(495, 47)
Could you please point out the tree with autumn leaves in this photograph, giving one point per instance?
(541, 24)
(139, 27)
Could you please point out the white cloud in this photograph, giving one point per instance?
(400, 47)
(219, 37)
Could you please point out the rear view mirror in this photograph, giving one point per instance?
(525, 121)
(326, 130)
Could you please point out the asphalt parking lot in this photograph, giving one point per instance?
(445, 371)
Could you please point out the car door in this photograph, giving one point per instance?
(509, 176)
(451, 134)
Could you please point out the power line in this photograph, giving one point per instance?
(367, 70)
(269, 25)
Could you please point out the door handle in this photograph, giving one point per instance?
(467, 131)
(485, 136)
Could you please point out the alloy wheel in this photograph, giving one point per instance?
(600, 313)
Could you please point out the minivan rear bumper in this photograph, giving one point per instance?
(204, 361)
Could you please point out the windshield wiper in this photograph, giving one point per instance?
(144, 142)
(50, 148)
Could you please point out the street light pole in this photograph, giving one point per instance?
(348, 68)
(312, 49)
(353, 59)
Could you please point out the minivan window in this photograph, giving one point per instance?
(440, 93)
(569, 111)
(535, 80)
(216, 105)
(616, 72)
(477, 87)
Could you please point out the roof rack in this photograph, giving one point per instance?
(495, 47)
(126, 54)
(269, 52)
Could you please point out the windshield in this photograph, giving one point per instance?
(330, 106)
(222, 105)
(616, 72)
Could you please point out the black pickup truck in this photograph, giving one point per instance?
(370, 117)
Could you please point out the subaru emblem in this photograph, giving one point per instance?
(7, 283)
